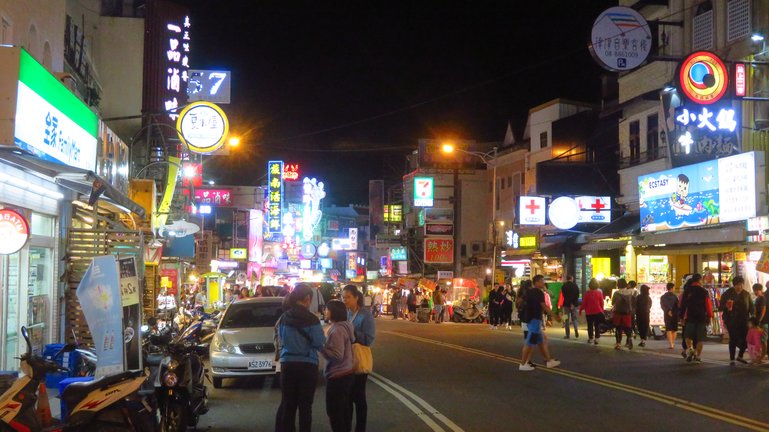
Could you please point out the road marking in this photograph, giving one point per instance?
(419, 413)
(450, 424)
(690, 406)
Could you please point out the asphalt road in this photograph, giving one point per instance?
(464, 377)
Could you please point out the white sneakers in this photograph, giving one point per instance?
(552, 363)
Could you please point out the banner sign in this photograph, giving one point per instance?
(100, 298)
(706, 193)
(129, 287)
(129, 281)
(255, 238)
(439, 251)
(439, 229)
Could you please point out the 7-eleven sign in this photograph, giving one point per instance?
(424, 191)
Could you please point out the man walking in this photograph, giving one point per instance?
(623, 304)
(438, 301)
(535, 307)
(763, 320)
(395, 303)
(737, 307)
(669, 305)
(570, 292)
(697, 311)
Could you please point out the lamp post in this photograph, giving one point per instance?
(486, 158)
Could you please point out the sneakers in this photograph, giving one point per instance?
(566, 337)
(642, 344)
(617, 347)
(697, 359)
(526, 367)
(629, 344)
(683, 353)
(552, 363)
(576, 335)
(741, 360)
(595, 341)
(690, 356)
(731, 362)
(589, 341)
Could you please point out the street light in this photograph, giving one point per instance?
(447, 148)
(233, 141)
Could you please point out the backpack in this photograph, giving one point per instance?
(622, 305)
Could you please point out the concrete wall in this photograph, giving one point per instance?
(38, 26)
(509, 166)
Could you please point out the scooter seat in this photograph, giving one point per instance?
(75, 392)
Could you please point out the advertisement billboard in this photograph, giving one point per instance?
(439, 251)
(439, 229)
(424, 191)
(706, 193)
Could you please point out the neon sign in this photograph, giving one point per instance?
(703, 77)
(274, 195)
(312, 193)
(291, 172)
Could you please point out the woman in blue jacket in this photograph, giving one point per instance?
(365, 331)
(300, 336)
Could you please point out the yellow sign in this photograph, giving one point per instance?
(203, 126)
(528, 242)
(238, 253)
(165, 203)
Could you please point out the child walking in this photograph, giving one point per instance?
(339, 378)
(755, 346)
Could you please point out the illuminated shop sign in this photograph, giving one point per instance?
(290, 172)
(308, 250)
(564, 213)
(740, 80)
(439, 229)
(621, 39)
(255, 238)
(209, 85)
(594, 209)
(274, 196)
(704, 132)
(439, 251)
(398, 254)
(178, 62)
(424, 191)
(203, 126)
(516, 241)
(238, 253)
(312, 194)
(393, 213)
(703, 78)
(214, 197)
(349, 243)
(14, 230)
(50, 122)
(707, 193)
(531, 210)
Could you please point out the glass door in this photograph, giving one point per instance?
(9, 278)
(39, 286)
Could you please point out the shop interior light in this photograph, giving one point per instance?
(189, 171)
(23, 184)
(211, 182)
(756, 37)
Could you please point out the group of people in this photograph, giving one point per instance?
(501, 301)
(405, 306)
(300, 340)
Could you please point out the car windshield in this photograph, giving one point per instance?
(246, 315)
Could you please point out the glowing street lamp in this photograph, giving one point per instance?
(233, 141)
(447, 148)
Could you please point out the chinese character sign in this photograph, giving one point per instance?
(274, 196)
(290, 172)
(704, 132)
(178, 64)
(214, 197)
(439, 251)
(621, 39)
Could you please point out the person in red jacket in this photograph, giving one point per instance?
(592, 305)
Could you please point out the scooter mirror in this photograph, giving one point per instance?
(25, 333)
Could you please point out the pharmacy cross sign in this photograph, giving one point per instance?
(598, 205)
(532, 207)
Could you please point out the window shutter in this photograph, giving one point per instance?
(702, 31)
(738, 20)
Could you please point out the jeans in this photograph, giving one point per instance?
(593, 321)
(338, 403)
(438, 313)
(358, 402)
(493, 314)
(570, 316)
(738, 335)
(297, 382)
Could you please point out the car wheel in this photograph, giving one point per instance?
(217, 382)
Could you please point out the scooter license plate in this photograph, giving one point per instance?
(260, 364)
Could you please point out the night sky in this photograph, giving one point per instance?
(311, 79)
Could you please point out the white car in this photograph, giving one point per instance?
(243, 343)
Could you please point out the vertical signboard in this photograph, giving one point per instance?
(129, 287)
(255, 239)
(100, 298)
(274, 196)
(424, 191)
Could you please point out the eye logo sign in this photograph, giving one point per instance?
(703, 77)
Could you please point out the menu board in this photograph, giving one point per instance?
(657, 317)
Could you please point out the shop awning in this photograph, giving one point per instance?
(625, 225)
(76, 179)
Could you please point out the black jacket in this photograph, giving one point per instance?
(742, 308)
(570, 293)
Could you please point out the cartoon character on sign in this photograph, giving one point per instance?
(678, 199)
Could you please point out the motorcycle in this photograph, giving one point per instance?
(467, 311)
(110, 403)
(180, 389)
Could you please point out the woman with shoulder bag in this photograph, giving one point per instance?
(365, 332)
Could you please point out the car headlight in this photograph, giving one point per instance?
(170, 379)
(220, 345)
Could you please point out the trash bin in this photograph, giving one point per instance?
(423, 314)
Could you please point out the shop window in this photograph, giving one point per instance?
(509, 181)
(652, 138)
(702, 27)
(42, 225)
(737, 19)
(517, 185)
(543, 140)
(635, 141)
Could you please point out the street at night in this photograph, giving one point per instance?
(464, 377)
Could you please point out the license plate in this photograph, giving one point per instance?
(260, 364)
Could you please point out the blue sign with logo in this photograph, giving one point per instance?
(100, 298)
(398, 254)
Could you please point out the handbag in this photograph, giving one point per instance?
(362, 360)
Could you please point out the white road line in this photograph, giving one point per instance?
(451, 425)
(419, 413)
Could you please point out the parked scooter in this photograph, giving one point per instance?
(179, 384)
(109, 403)
(467, 311)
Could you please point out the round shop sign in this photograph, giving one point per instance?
(703, 77)
(203, 126)
(14, 230)
(564, 213)
(308, 250)
(620, 39)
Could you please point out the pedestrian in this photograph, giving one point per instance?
(669, 305)
(697, 311)
(244, 293)
(592, 304)
(536, 307)
(570, 307)
(339, 366)
(756, 335)
(411, 304)
(439, 300)
(301, 337)
(633, 286)
(377, 310)
(759, 306)
(494, 305)
(520, 305)
(642, 312)
(623, 302)
(365, 332)
(395, 302)
(318, 303)
(736, 307)
(368, 299)
(508, 299)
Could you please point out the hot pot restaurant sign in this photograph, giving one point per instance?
(706, 193)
